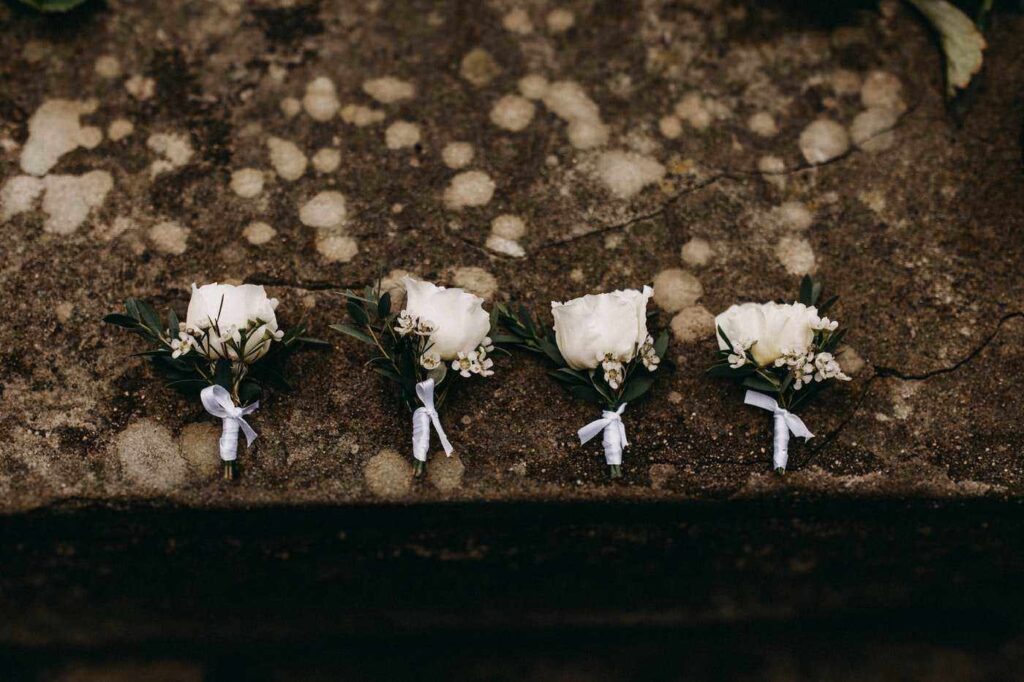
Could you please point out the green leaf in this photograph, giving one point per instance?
(725, 338)
(119, 320)
(150, 316)
(636, 387)
(587, 393)
(661, 344)
(387, 372)
(961, 41)
(569, 376)
(222, 375)
(724, 371)
(311, 341)
(249, 392)
(357, 312)
(354, 333)
(131, 305)
(507, 339)
(384, 305)
(827, 305)
(550, 348)
(807, 290)
(53, 5)
(759, 384)
(172, 322)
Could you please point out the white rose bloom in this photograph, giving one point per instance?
(590, 328)
(232, 310)
(460, 321)
(769, 330)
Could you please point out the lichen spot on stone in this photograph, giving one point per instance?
(763, 124)
(796, 255)
(361, 116)
(508, 226)
(517, 21)
(692, 324)
(69, 199)
(107, 67)
(327, 210)
(457, 155)
(388, 474)
(512, 112)
(626, 173)
(478, 67)
(675, 289)
(327, 160)
(533, 86)
(149, 456)
(476, 281)
(54, 130)
(882, 90)
(174, 148)
(287, 159)
(258, 233)
(337, 248)
(507, 247)
(290, 107)
(823, 140)
(169, 237)
(321, 99)
(119, 129)
(469, 188)
(140, 87)
(794, 216)
(247, 182)
(560, 20)
(401, 134)
(697, 252)
(388, 89)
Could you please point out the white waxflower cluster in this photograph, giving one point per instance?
(648, 355)
(184, 343)
(808, 366)
(824, 324)
(243, 346)
(614, 372)
(475, 361)
(408, 324)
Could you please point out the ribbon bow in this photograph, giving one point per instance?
(785, 422)
(218, 402)
(422, 418)
(614, 438)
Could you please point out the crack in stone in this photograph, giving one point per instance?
(310, 285)
(881, 372)
(650, 215)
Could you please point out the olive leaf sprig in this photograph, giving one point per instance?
(173, 353)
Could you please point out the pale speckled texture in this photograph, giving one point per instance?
(922, 239)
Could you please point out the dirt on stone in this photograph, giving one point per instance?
(922, 238)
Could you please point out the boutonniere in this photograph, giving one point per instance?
(229, 350)
(441, 337)
(784, 354)
(603, 353)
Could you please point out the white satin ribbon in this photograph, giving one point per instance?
(218, 402)
(614, 434)
(785, 422)
(422, 418)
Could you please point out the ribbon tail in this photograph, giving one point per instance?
(441, 436)
(588, 432)
(250, 433)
